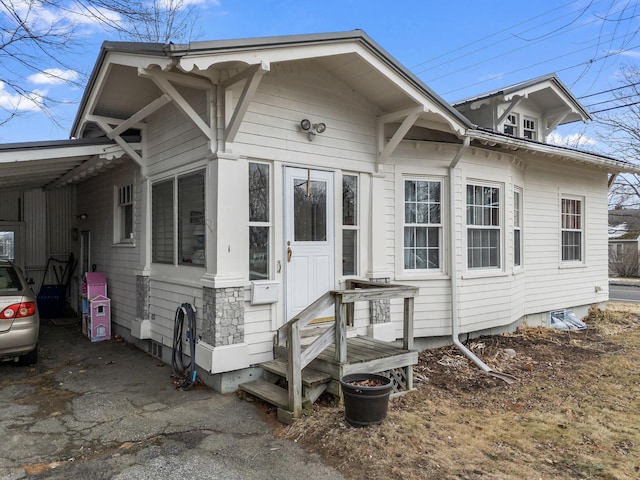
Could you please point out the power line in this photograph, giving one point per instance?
(608, 91)
(476, 42)
(616, 107)
(609, 100)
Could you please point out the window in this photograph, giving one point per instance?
(178, 224)
(7, 245)
(571, 230)
(191, 224)
(124, 214)
(517, 228)
(529, 129)
(483, 226)
(422, 224)
(349, 225)
(511, 124)
(259, 225)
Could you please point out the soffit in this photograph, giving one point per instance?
(42, 164)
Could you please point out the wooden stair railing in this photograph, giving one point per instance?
(290, 401)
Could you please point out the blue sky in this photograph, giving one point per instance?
(458, 48)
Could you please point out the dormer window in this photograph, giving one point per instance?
(529, 129)
(511, 125)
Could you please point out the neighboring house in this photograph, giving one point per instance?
(624, 242)
(250, 177)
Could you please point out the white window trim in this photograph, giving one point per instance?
(174, 176)
(410, 274)
(583, 238)
(520, 218)
(484, 271)
(515, 125)
(534, 130)
(269, 224)
(355, 227)
(118, 241)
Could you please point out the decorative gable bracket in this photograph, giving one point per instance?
(409, 118)
(252, 77)
(165, 81)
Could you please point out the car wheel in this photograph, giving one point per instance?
(30, 358)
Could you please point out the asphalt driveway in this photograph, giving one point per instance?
(107, 410)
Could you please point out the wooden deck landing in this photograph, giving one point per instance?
(365, 355)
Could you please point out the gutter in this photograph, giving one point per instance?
(454, 273)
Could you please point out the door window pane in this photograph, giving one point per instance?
(310, 211)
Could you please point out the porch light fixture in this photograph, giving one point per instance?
(312, 129)
(82, 217)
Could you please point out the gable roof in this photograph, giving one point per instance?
(352, 57)
(547, 91)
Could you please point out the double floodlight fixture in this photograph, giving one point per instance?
(312, 129)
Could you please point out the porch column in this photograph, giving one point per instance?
(227, 235)
(378, 267)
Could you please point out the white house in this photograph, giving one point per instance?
(250, 177)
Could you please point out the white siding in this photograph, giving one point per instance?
(119, 262)
(549, 284)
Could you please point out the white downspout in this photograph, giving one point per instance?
(454, 272)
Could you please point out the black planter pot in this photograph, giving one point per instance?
(364, 405)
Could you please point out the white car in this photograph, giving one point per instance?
(19, 319)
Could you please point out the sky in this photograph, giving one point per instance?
(459, 48)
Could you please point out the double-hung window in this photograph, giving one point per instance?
(259, 223)
(572, 229)
(483, 226)
(178, 220)
(529, 128)
(349, 224)
(123, 224)
(511, 124)
(422, 224)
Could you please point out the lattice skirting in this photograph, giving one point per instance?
(399, 379)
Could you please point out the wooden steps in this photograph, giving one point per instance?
(310, 377)
(314, 382)
(269, 392)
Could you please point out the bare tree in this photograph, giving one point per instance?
(620, 131)
(37, 35)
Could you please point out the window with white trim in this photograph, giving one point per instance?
(349, 224)
(517, 227)
(511, 124)
(483, 226)
(123, 222)
(259, 221)
(572, 229)
(178, 220)
(422, 224)
(529, 128)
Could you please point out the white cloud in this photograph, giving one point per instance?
(573, 140)
(30, 102)
(54, 76)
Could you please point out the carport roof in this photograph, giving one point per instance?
(48, 164)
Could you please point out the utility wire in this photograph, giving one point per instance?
(608, 91)
(616, 107)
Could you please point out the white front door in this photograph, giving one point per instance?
(309, 237)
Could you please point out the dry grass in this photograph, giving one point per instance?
(574, 413)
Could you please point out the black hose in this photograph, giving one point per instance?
(184, 374)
